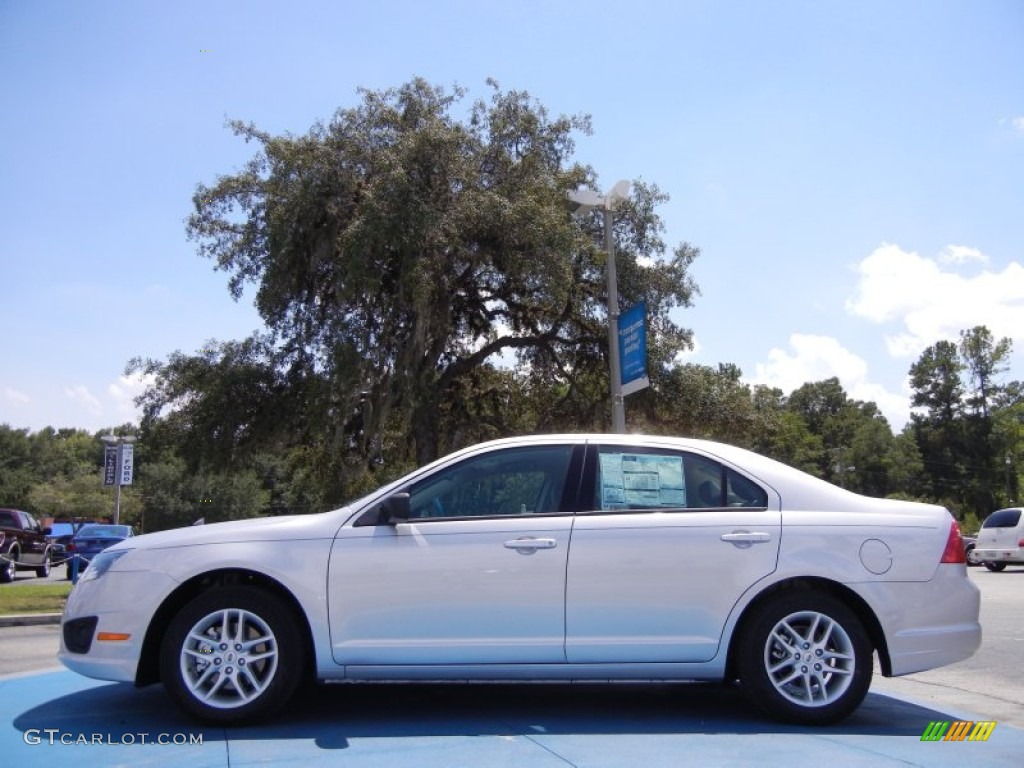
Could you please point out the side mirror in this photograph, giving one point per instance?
(391, 511)
(394, 509)
(47, 530)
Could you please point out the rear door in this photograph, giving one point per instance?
(667, 544)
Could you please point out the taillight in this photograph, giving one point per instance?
(70, 547)
(1020, 543)
(954, 551)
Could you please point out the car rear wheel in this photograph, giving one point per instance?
(805, 657)
(44, 570)
(232, 655)
(996, 567)
(9, 566)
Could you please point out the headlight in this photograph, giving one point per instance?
(101, 563)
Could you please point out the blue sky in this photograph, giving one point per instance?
(853, 172)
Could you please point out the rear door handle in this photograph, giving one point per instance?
(529, 546)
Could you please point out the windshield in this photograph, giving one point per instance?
(104, 532)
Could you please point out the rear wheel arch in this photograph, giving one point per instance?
(844, 594)
(148, 671)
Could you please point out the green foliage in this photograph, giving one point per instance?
(970, 524)
(968, 433)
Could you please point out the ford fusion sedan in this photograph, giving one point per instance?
(570, 558)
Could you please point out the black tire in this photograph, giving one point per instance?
(43, 571)
(967, 554)
(994, 567)
(799, 649)
(9, 566)
(243, 678)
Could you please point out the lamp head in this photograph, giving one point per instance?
(583, 200)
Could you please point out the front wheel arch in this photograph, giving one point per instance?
(148, 671)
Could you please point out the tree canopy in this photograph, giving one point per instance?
(397, 252)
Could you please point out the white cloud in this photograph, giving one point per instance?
(961, 254)
(15, 396)
(932, 302)
(1018, 125)
(124, 391)
(84, 397)
(815, 358)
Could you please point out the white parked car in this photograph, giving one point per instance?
(600, 557)
(1001, 539)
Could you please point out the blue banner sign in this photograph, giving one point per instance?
(633, 348)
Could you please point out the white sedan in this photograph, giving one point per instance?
(572, 557)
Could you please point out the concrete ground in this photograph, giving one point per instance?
(59, 717)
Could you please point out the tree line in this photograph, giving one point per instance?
(960, 448)
(423, 287)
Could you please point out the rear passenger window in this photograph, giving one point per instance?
(649, 479)
(1004, 518)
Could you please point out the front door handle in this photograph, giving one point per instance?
(528, 546)
(744, 539)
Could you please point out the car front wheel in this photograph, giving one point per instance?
(232, 655)
(805, 658)
(995, 567)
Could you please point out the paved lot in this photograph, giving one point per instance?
(494, 725)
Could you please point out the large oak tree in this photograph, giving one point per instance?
(398, 253)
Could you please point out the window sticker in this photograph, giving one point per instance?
(638, 480)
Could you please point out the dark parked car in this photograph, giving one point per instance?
(25, 545)
(92, 539)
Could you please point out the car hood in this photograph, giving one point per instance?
(313, 526)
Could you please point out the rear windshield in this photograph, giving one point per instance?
(1004, 518)
(103, 532)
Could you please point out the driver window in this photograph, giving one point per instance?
(515, 481)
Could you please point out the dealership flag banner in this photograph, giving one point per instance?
(633, 349)
(110, 465)
(126, 462)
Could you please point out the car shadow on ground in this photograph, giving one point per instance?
(331, 715)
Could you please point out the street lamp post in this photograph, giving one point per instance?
(123, 469)
(580, 202)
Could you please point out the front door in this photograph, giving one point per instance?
(476, 575)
